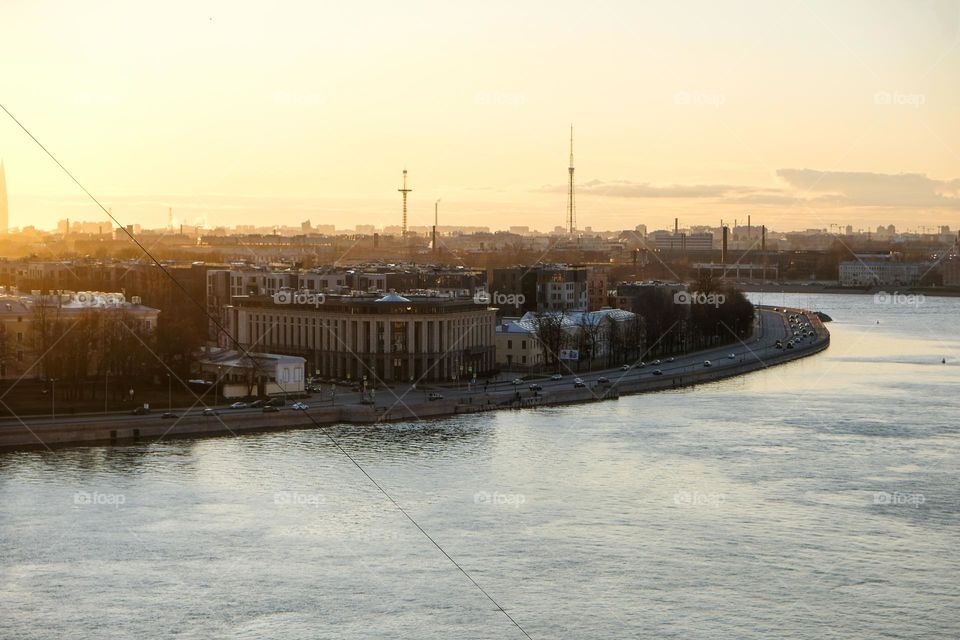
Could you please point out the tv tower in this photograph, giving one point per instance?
(404, 190)
(571, 203)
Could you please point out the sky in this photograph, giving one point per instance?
(801, 114)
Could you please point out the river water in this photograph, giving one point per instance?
(818, 499)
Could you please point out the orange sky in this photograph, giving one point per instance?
(804, 114)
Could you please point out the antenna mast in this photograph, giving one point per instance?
(571, 203)
(404, 190)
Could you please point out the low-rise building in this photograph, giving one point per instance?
(253, 374)
(859, 273)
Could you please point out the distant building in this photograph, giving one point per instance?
(950, 269)
(683, 242)
(858, 273)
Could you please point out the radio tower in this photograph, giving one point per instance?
(404, 191)
(571, 203)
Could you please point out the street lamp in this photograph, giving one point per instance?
(53, 398)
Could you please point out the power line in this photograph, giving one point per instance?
(246, 354)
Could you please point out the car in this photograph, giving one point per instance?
(642, 364)
(657, 372)
(256, 404)
(167, 415)
(556, 376)
(625, 367)
(731, 356)
(140, 411)
(271, 409)
(210, 412)
(578, 383)
(299, 406)
(656, 362)
(671, 359)
(239, 405)
(603, 380)
(535, 387)
(276, 402)
(434, 396)
(707, 363)
(516, 381)
(789, 345)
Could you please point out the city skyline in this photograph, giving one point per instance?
(226, 123)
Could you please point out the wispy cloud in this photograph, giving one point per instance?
(862, 188)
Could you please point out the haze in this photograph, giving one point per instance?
(801, 114)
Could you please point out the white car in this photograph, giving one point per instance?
(732, 356)
(578, 383)
(239, 405)
(625, 367)
(516, 381)
(299, 406)
(556, 376)
(707, 363)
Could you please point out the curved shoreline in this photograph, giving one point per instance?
(689, 370)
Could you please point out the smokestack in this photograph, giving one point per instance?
(763, 238)
(376, 240)
(749, 230)
(676, 226)
(723, 251)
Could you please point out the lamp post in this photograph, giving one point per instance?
(53, 398)
(169, 394)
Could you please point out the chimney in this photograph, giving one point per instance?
(763, 238)
(723, 251)
(676, 226)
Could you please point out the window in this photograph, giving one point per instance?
(19, 336)
(509, 344)
(19, 356)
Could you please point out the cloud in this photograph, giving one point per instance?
(862, 188)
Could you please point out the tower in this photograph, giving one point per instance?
(4, 222)
(571, 203)
(404, 190)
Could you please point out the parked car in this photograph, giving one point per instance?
(239, 405)
(299, 406)
(140, 411)
(210, 412)
(556, 376)
(433, 395)
(578, 383)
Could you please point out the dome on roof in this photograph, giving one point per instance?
(392, 297)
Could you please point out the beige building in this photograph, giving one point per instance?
(391, 338)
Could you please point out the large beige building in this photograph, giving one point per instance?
(390, 338)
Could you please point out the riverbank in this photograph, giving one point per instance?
(400, 405)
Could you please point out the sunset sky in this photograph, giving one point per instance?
(803, 114)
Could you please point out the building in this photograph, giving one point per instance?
(4, 212)
(253, 374)
(392, 338)
(950, 269)
(682, 242)
(517, 346)
(586, 335)
(23, 316)
(858, 273)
